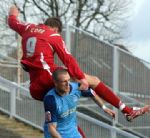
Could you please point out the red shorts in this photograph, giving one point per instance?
(40, 83)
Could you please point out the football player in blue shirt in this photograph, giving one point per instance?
(60, 105)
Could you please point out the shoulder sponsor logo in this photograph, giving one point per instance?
(48, 116)
(93, 92)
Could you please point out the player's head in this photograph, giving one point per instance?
(61, 79)
(54, 23)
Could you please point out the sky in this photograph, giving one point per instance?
(139, 39)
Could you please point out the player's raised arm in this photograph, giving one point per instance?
(14, 23)
(68, 60)
(13, 11)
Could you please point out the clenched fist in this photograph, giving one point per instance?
(13, 11)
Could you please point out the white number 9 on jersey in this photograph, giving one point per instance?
(30, 46)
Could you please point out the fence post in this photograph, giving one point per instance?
(67, 38)
(12, 102)
(19, 55)
(115, 82)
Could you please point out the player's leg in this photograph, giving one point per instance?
(109, 96)
(104, 92)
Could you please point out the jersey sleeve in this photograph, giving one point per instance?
(50, 109)
(17, 25)
(68, 60)
(87, 93)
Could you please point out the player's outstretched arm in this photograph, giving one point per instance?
(101, 104)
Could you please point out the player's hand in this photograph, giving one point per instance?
(110, 112)
(13, 11)
(83, 84)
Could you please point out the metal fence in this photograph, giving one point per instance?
(120, 70)
(126, 74)
(31, 112)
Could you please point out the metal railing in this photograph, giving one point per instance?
(31, 112)
(120, 70)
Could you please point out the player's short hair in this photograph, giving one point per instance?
(54, 22)
(58, 72)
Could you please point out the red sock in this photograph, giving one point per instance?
(109, 96)
(124, 108)
(81, 132)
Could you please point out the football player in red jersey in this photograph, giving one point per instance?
(39, 43)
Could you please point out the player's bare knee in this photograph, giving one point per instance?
(96, 79)
(92, 80)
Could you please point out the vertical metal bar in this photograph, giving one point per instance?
(68, 40)
(12, 102)
(115, 82)
(19, 55)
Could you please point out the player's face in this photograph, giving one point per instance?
(62, 85)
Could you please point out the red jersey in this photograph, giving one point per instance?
(39, 43)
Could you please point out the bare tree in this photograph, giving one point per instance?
(103, 18)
